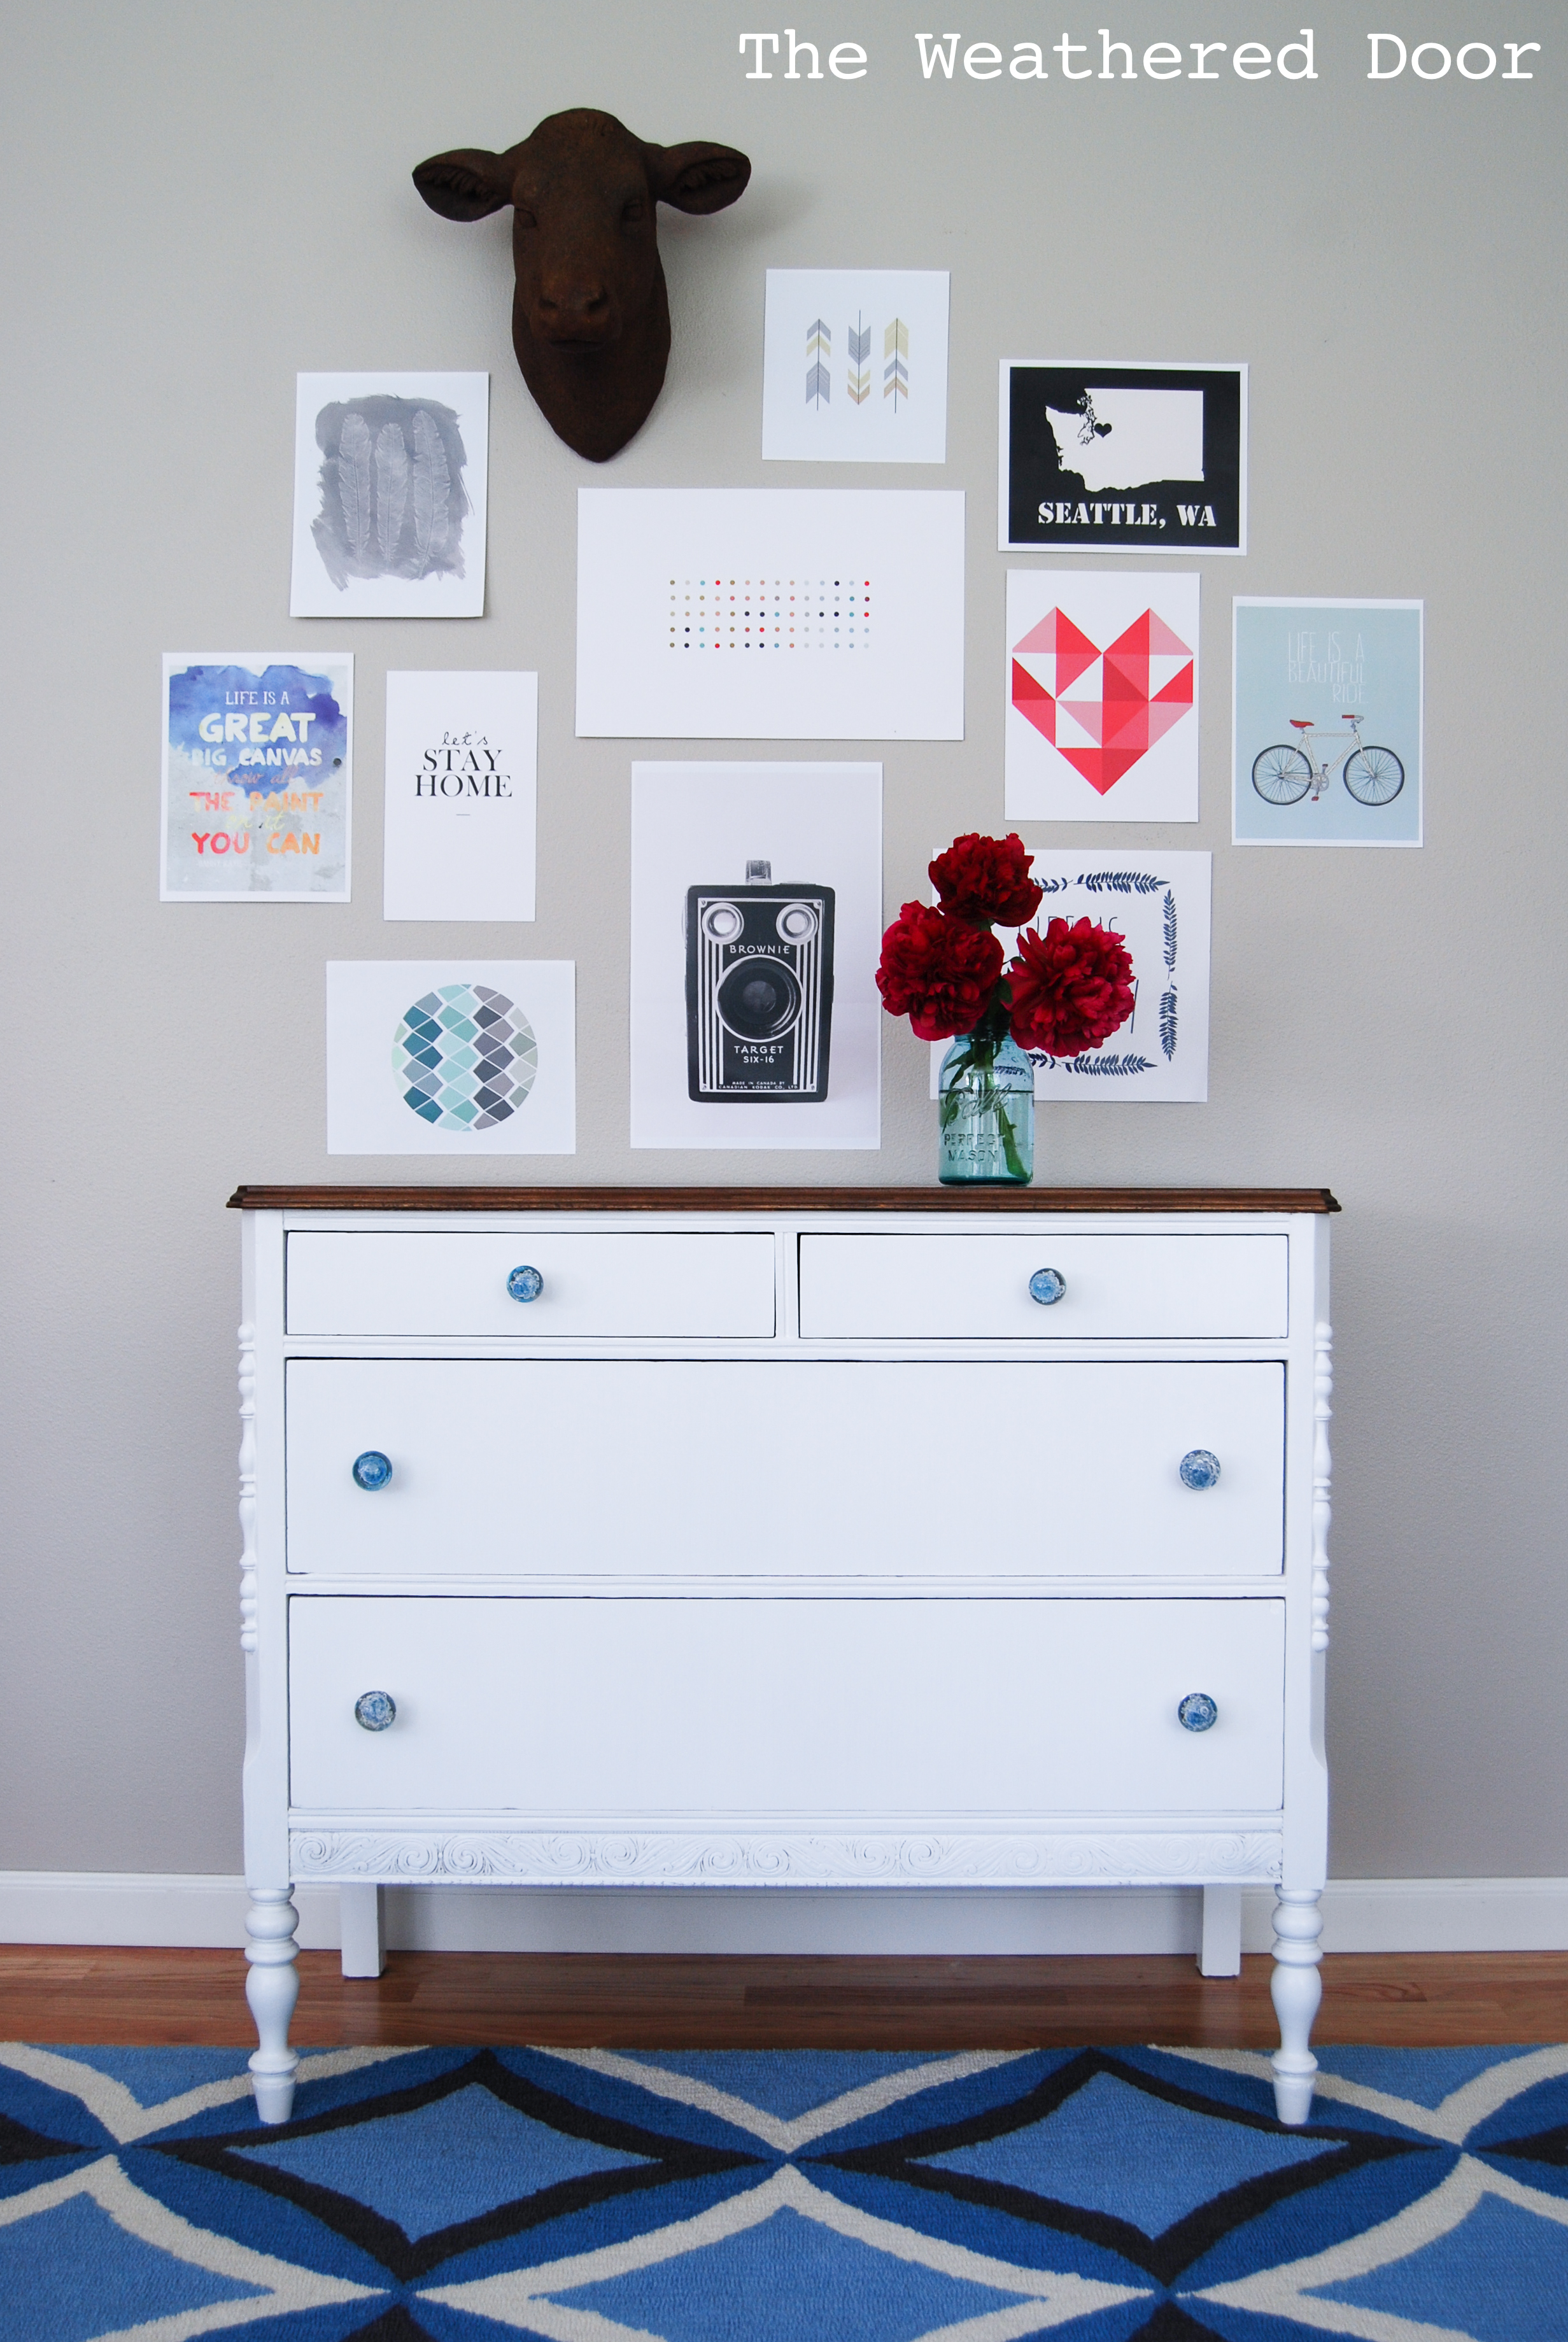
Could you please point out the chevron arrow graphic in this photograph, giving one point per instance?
(895, 372)
(819, 353)
(859, 372)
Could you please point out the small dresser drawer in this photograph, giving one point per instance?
(806, 1467)
(545, 1283)
(981, 1284)
(615, 1710)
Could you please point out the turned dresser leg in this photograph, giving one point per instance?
(272, 1988)
(1296, 1989)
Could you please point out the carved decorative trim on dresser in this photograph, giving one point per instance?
(610, 1536)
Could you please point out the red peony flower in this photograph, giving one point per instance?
(1071, 987)
(938, 972)
(983, 879)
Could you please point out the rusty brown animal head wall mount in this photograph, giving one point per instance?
(591, 316)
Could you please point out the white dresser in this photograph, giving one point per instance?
(870, 1536)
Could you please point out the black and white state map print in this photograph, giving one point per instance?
(1097, 458)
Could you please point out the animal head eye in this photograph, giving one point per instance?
(522, 217)
(635, 209)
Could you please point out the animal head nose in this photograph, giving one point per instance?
(581, 312)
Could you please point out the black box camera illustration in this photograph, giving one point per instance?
(759, 989)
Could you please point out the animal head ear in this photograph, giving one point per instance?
(697, 177)
(466, 185)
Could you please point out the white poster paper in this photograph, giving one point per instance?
(761, 880)
(1102, 696)
(451, 1056)
(1159, 904)
(770, 614)
(855, 365)
(390, 475)
(257, 776)
(461, 758)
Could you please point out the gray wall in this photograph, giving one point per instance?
(206, 198)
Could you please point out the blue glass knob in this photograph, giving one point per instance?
(377, 1711)
(525, 1284)
(1046, 1285)
(1197, 1713)
(373, 1469)
(1199, 1469)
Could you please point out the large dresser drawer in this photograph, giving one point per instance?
(619, 1710)
(941, 1284)
(637, 1285)
(834, 1468)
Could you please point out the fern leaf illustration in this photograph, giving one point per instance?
(391, 489)
(1121, 882)
(431, 491)
(896, 371)
(1055, 885)
(1170, 930)
(1089, 1064)
(1168, 1024)
(353, 479)
(819, 353)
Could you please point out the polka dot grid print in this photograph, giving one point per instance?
(770, 614)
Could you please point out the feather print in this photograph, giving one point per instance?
(353, 479)
(391, 489)
(431, 491)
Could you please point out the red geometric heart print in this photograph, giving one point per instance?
(1102, 711)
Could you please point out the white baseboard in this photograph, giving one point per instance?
(1360, 1914)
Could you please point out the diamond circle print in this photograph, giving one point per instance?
(1102, 710)
(464, 1057)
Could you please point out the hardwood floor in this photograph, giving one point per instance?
(69, 1994)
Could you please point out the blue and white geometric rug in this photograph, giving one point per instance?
(782, 2196)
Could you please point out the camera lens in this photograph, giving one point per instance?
(759, 999)
(722, 923)
(797, 923)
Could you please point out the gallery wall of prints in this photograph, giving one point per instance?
(808, 614)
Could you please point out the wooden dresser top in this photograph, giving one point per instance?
(782, 1199)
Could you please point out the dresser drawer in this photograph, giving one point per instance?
(794, 1468)
(637, 1285)
(620, 1709)
(945, 1286)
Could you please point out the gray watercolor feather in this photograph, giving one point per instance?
(391, 489)
(432, 490)
(353, 480)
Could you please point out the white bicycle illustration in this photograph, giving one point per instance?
(1284, 773)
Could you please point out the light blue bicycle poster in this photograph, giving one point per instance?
(1326, 733)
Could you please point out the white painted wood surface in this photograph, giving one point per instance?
(736, 1580)
(578, 1710)
(737, 1468)
(630, 1283)
(945, 1285)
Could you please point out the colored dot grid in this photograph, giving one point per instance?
(770, 614)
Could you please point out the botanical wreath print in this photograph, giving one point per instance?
(392, 496)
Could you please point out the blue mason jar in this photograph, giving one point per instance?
(985, 1110)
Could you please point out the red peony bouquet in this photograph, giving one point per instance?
(1065, 991)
